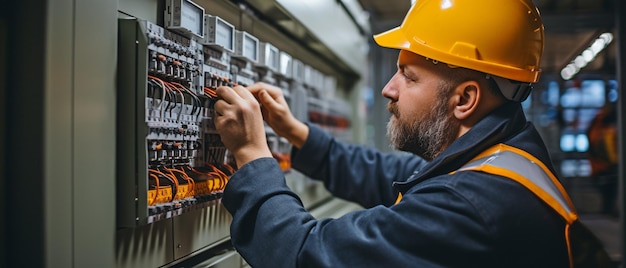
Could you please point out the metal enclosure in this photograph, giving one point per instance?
(198, 233)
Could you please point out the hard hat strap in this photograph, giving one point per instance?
(512, 90)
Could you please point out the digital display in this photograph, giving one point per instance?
(191, 17)
(224, 35)
(250, 47)
(285, 64)
(271, 56)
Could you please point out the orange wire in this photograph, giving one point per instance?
(174, 176)
(174, 180)
(210, 92)
(183, 87)
(214, 175)
(222, 176)
(172, 87)
(230, 169)
(186, 177)
(156, 179)
(159, 80)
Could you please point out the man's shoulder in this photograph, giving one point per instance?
(491, 196)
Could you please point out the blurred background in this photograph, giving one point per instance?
(110, 158)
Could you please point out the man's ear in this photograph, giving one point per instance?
(466, 99)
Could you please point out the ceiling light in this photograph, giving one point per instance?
(580, 62)
(587, 56)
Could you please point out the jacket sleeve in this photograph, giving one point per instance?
(356, 173)
(270, 227)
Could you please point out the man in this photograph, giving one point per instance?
(463, 68)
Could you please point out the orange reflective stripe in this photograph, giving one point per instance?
(529, 184)
(569, 245)
(536, 161)
(399, 198)
(550, 200)
(488, 162)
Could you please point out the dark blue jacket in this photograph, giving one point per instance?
(469, 219)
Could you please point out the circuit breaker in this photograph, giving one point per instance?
(171, 166)
(170, 158)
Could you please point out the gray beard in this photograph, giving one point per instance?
(427, 137)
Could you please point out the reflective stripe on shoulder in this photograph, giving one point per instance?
(522, 167)
(511, 162)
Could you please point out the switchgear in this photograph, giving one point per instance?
(170, 157)
(171, 164)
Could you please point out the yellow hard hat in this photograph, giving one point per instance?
(498, 37)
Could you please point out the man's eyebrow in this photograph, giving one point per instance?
(405, 69)
(402, 67)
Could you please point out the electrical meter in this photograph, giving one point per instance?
(269, 56)
(219, 44)
(243, 59)
(246, 46)
(219, 33)
(185, 17)
(285, 65)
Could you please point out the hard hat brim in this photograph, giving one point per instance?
(393, 38)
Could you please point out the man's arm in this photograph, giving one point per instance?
(270, 227)
(356, 173)
(351, 172)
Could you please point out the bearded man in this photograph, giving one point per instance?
(455, 105)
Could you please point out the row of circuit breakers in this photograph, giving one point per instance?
(180, 162)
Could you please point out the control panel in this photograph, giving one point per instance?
(170, 158)
(171, 165)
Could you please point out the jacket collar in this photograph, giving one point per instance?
(503, 122)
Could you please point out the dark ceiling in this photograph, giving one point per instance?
(570, 27)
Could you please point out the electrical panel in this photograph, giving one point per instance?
(171, 165)
(170, 158)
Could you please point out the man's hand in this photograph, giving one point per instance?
(239, 122)
(277, 114)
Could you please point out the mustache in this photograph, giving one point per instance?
(392, 107)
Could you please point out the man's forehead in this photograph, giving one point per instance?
(408, 58)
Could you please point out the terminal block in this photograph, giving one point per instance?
(170, 159)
